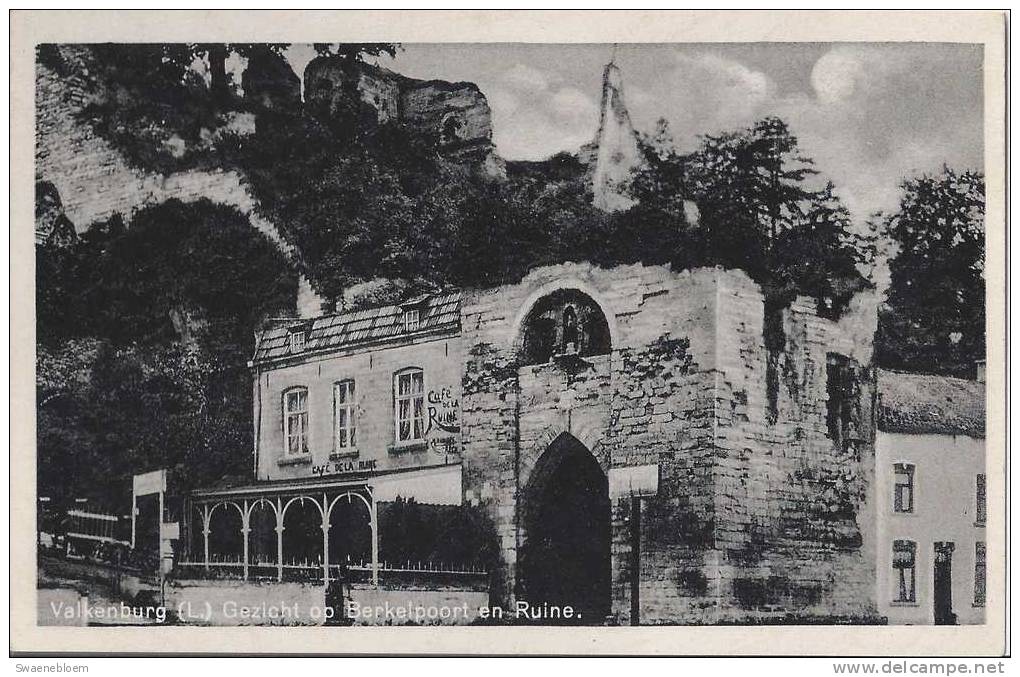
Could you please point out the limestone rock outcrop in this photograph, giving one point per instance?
(456, 114)
(614, 154)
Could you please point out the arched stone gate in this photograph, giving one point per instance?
(565, 532)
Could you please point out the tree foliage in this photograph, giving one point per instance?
(743, 200)
(934, 317)
(143, 337)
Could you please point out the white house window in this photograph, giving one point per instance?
(411, 319)
(905, 566)
(903, 487)
(409, 411)
(343, 416)
(297, 341)
(981, 499)
(295, 421)
(980, 571)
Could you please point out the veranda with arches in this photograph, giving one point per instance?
(274, 533)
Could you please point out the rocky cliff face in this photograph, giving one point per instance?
(456, 114)
(91, 181)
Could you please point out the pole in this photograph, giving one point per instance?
(205, 532)
(279, 539)
(635, 560)
(244, 535)
(134, 513)
(375, 541)
(325, 540)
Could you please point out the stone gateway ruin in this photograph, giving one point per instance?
(678, 470)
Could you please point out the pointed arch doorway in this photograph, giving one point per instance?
(565, 553)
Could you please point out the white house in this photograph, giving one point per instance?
(931, 499)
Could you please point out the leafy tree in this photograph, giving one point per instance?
(143, 337)
(356, 51)
(754, 211)
(216, 54)
(934, 316)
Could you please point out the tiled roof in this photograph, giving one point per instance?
(927, 404)
(441, 311)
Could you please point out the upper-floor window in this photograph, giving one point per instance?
(905, 565)
(903, 487)
(343, 416)
(980, 571)
(409, 405)
(411, 319)
(842, 413)
(295, 421)
(297, 341)
(981, 500)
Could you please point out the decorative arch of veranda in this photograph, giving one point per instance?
(253, 519)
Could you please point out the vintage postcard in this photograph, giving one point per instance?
(508, 332)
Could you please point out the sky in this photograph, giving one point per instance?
(869, 114)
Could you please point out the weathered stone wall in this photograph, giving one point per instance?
(95, 181)
(755, 514)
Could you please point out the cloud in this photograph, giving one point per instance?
(533, 118)
(525, 77)
(869, 115)
(701, 93)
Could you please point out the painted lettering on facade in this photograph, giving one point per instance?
(343, 467)
(444, 411)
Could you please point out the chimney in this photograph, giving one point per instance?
(979, 368)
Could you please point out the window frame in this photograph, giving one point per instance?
(349, 405)
(412, 319)
(980, 499)
(904, 594)
(287, 430)
(910, 486)
(296, 341)
(411, 396)
(980, 574)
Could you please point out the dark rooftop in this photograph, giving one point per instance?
(348, 329)
(928, 404)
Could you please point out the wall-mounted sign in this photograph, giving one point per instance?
(150, 483)
(170, 531)
(635, 480)
(348, 467)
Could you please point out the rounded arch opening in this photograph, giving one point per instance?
(262, 534)
(564, 321)
(302, 532)
(350, 531)
(226, 539)
(565, 552)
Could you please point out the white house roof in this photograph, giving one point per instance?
(929, 404)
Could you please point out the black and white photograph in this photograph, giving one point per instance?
(502, 334)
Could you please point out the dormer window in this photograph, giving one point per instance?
(297, 341)
(411, 319)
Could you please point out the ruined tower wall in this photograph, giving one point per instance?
(793, 528)
(740, 526)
